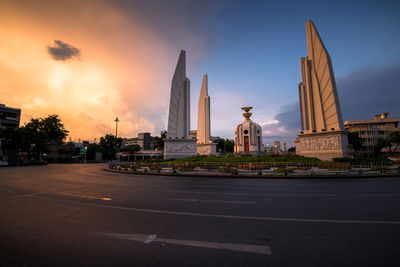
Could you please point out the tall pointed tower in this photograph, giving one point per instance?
(178, 143)
(322, 134)
(204, 144)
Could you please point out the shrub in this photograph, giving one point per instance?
(155, 169)
(185, 169)
(284, 170)
(224, 169)
(362, 160)
(379, 168)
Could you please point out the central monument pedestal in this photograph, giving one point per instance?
(179, 148)
(324, 146)
(206, 149)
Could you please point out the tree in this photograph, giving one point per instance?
(230, 146)
(54, 129)
(355, 141)
(380, 144)
(159, 141)
(37, 137)
(224, 145)
(292, 149)
(10, 143)
(91, 151)
(33, 137)
(393, 141)
(110, 144)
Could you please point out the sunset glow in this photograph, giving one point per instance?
(116, 59)
(113, 77)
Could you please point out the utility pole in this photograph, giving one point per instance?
(116, 127)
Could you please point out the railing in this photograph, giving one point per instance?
(261, 168)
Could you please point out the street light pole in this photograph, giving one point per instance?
(116, 127)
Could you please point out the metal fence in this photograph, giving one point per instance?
(261, 168)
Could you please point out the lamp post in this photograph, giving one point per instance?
(116, 127)
(225, 146)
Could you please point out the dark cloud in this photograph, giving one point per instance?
(191, 25)
(362, 94)
(63, 51)
(290, 114)
(370, 91)
(286, 128)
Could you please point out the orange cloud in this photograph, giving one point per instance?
(125, 68)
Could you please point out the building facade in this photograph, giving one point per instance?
(370, 130)
(9, 116)
(144, 140)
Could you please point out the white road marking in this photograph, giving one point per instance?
(218, 201)
(242, 194)
(188, 199)
(26, 195)
(82, 196)
(377, 195)
(215, 245)
(150, 239)
(301, 195)
(41, 193)
(7, 190)
(279, 219)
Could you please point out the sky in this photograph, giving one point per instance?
(92, 61)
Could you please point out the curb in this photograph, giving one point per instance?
(256, 176)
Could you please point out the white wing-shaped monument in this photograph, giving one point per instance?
(322, 134)
(204, 144)
(178, 143)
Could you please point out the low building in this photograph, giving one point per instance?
(140, 155)
(370, 130)
(276, 149)
(193, 134)
(57, 153)
(144, 140)
(9, 116)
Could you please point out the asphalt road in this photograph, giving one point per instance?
(80, 215)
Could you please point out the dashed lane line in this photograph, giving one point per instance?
(83, 196)
(242, 194)
(377, 195)
(216, 201)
